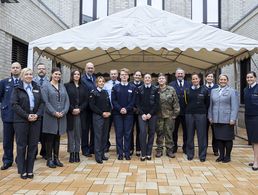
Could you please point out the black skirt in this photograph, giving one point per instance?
(251, 123)
(224, 131)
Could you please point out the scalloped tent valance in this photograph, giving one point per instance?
(145, 38)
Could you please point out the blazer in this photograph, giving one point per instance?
(37, 80)
(88, 84)
(82, 104)
(6, 88)
(223, 108)
(21, 103)
(53, 104)
(181, 94)
(153, 100)
(116, 98)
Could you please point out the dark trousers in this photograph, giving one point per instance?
(214, 141)
(87, 139)
(27, 138)
(123, 128)
(180, 120)
(108, 144)
(198, 122)
(225, 148)
(137, 139)
(52, 146)
(147, 133)
(42, 141)
(8, 139)
(100, 125)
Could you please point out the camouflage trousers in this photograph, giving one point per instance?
(165, 128)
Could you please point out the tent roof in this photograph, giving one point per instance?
(154, 39)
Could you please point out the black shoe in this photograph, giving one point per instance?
(142, 158)
(23, 176)
(175, 149)
(51, 164)
(30, 176)
(255, 168)
(104, 158)
(219, 159)
(77, 157)
(131, 152)
(216, 154)
(6, 166)
(127, 158)
(158, 154)
(148, 157)
(138, 153)
(58, 163)
(170, 154)
(72, 157)
(189, 158)
(251, 164)
(202, 160)
(226, 160)
(120, 157)
(99, 161)
(87, 154)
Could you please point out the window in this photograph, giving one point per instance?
(244, 69)
(206, 11)
(19, 52)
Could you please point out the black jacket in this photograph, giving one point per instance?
(150, 107)
(80, 102)
(99, 101)
(21, 104)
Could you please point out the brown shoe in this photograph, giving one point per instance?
(170, 154)
(159, 154)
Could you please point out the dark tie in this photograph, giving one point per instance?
(16, 81)
(209, 86)
(114, 82)
(28, 88)
(180, 83)
(41, 81)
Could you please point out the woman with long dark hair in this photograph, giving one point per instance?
(54, 120)
(78, 98)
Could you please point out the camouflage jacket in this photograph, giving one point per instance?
(169, 105)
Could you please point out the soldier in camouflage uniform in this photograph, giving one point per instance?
(169, 109)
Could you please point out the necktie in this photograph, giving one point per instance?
(16, 81)
(180, 83)
(114, 82)
(41, 81)
(209, 86)
(91, 78)
(31, 96)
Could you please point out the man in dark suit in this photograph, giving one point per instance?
(6, 88)
(180, 85)
(41, 79)
(88, 81)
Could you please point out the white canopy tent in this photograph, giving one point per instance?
(144, 38)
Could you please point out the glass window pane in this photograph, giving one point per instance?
(102, 8)
(141, 2)
(197, 10)
(87, 7)
(157, 4)
(212, 11)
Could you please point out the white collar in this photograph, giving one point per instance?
(136, 82)
(124, 84)
(253, 85)
(178, 82)
(207, 85)
(195, 87)
(99, 89)
(147, 86)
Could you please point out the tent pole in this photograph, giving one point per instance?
(37, 59)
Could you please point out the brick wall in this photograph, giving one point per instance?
(119, 5)
(179, 7)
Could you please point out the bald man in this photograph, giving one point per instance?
(6, 88)
(87, 142)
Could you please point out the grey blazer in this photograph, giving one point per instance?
(223, 108)
(51, 124)
(37, 80)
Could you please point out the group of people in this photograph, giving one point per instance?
(42, 109)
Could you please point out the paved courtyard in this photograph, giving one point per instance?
(158, 176)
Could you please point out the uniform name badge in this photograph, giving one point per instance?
(130, 91)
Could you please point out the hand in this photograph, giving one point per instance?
(123, 111)
(106, 114)
(32, 118)
(76, 111)
(148, 116)
(232, 122)
(144, 117)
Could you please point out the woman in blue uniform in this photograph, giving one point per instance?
(101, 108)
(27, 105)
(251, 114)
